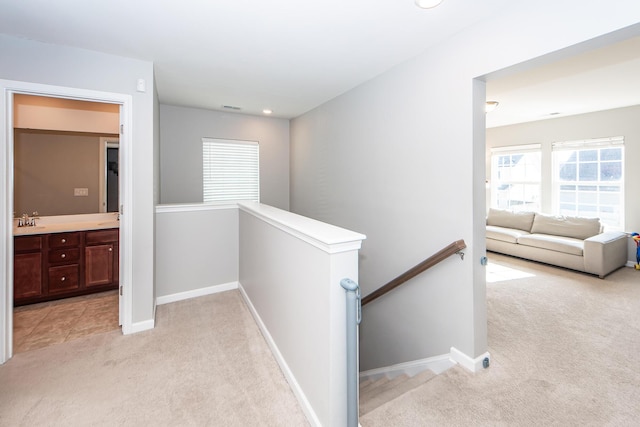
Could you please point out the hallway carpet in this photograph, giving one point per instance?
(205, 364)
(565, 350)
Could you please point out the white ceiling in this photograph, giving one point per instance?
(601, 79)
(286, 55)
(291, 56)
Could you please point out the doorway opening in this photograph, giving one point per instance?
(109, 172)
(89, 252)
(66, 256)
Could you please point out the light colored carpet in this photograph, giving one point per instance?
(565, 351)
(205, 364)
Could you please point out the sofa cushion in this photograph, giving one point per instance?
(567, 245)
(509, 235)
(508, 219)
(578, 228)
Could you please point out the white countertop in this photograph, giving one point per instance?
(66, 223)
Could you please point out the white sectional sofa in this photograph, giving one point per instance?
(570, 242)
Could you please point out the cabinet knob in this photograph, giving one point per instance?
(63, 256)
(63, 279)
(64, 240)
(110, 249)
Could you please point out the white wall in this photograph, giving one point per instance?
(30, 61)
(196, 248)
(401, 159)
(182, 130)
(617, 122)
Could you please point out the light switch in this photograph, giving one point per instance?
(141, 85)
(80, 191)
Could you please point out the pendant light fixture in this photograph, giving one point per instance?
(428, 4)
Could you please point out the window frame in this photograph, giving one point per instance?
(578, 146)
(515, 150)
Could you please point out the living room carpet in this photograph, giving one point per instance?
(565, 351)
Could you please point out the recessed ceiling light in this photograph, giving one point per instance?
(490, 106)
(428, 4)
(267, 111)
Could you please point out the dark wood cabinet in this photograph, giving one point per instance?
(27, 267)
(60, 265)
(101, 258)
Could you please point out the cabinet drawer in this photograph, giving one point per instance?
(30, 243)
(102, 236)
(64, 240)
(69, 256)
(63, 278)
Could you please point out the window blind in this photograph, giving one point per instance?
(230, 170)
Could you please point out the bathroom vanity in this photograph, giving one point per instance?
(60, 260)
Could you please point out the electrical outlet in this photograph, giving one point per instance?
(80, 191)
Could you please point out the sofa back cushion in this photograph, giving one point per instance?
(508, 219)
(578, 228)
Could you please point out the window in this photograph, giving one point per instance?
(515, 177)
(230, 170)
(588, 180)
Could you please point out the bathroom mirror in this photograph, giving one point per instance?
(65, 156)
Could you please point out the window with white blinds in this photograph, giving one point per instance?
(230, 170)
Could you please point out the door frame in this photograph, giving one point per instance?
(7, 89)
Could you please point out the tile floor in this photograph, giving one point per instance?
(54, 322)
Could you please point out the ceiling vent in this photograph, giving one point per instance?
(231, 107)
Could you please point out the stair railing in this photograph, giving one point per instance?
(354, 316)
(452, 249)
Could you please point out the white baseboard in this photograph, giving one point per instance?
(136, 327)
(473, 365)
(631, 264)
(436, 364)
(166, 299)
(291, 379)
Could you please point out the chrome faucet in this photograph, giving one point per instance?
(27, 221)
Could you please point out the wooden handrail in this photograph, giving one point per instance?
(434, 259)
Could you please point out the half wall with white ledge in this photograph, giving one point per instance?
(290, 272)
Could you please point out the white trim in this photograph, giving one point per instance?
(145, 325)
(327, 237)
(630, 264)
(473, 365)
(7, 89)
(193, 207)
(291, 379)
(180, 296)
(436, 364)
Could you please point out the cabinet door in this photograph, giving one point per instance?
(98, 265)
(27, 275)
